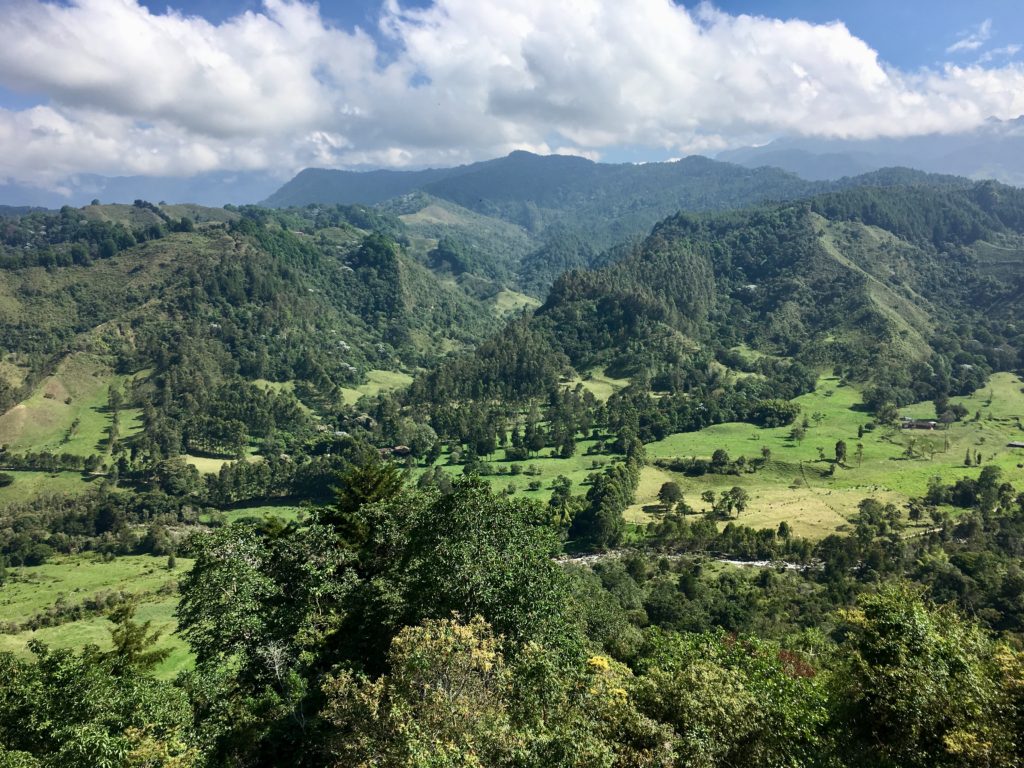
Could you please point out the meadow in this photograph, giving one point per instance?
(71, 579)
(377, 381)
(801, 483)
(68, 411)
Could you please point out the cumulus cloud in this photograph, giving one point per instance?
(130, 91)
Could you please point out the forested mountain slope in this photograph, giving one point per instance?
(194, 313)
(569, 209)
(913, 289)
(555, 213)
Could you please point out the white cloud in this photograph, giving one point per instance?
(134, 92)
(1009, 51)
(973, 40)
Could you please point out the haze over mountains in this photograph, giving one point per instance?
(216, 188)
(993, 151)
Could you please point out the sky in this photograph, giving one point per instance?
(180, 87)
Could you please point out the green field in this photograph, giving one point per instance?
(210, 465)
(795, 485)
(287, 512)
(599, 384)
(28, 485)
(508, 302)
(576, 468)
(72, 579)
(377, 381)
(67, 412)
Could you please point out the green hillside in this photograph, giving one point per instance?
(330, 482)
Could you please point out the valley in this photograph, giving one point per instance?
(247, 440)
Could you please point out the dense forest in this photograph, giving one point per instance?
(397, 368)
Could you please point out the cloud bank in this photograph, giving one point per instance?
(127, 91)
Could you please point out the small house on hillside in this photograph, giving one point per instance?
(909, 423)
(1015, 444)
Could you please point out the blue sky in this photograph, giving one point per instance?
(126, 88)
(906, 33)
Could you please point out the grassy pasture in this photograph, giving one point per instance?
(798, 483)
(576, 468)
(377, 381)
(795, 484)
(12, 374)
(72, 579)
(508, 302)
(599, 384)
(67, 412)
(28, 485)
(285, 511)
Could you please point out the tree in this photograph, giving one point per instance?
(453, 698)
(736, 498)
(64, 707)
(708, 497)
(133, 642)
(443, 698)
(887, 413)
(719, 458)
(368, 480)
(670, 494)
(733, 702)
(841, 452)
(472, 552)
(920, 686)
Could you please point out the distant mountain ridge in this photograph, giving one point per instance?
(570, 209)
(993, 151)
(215, 189)
(547, 181)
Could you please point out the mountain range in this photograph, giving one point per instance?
(993, 151)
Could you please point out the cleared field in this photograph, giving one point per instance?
(210, 465)
(599, 384)
(12, 374)
(286, 512)
(68, 411)
(510, 302)
(72, 579)
(546, 468)
(377, 381)
(892, 466)
(801, 483)
(28, 485)
(651, 480)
